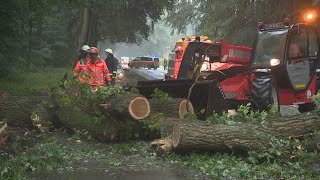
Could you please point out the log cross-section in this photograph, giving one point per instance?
(139, 108)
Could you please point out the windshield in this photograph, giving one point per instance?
(270, 45)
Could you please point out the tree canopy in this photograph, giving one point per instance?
(235, 20)
(37, 33)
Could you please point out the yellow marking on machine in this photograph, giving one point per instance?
(300, 86)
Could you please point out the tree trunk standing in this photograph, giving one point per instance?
(83, 26)
(39, 33)
(92, 31)
(30, 41)
(87, 28)
(204, 136)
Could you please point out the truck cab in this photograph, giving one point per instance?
(284, 64)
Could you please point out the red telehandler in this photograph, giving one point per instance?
(281, 69)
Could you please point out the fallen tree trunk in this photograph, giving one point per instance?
(76, 118)
(242, 137)
(167, 125)
(109, 114)
(175, 108)
(127, 106)
(16, 110)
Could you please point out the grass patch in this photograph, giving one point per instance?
(225, 166)
(32, 82)
(45, 156)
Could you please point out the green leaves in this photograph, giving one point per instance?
(243, 114)
(163, 96)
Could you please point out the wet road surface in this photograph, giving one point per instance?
(148, 74)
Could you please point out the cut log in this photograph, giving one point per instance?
(75, 118)
(167, 125)
(128, 105)
(175, 107)
(242, 137)
(16, 110)
(109, 114)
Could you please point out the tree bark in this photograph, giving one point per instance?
(244, 137)
(174, 108)
(167, 125)
(84, 24)
(16, 110)
(105, 129)
(87, 28)
(127, 106)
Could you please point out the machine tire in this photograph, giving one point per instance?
(155, 68)
(264, 93)
(149, 67)
(307, 107)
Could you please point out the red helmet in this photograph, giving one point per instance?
(178, 49)
(94, 50)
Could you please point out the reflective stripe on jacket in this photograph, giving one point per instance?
(80, 69)
(97, 73)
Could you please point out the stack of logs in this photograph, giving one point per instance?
(118, 113)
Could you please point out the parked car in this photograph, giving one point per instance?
(144, 62)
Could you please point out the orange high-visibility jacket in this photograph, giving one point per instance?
(81, 68)
(97, 73)
(176, 68)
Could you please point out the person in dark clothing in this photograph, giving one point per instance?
(112, 64)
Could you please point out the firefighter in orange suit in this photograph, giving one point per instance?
(83, 60)
(97, 70)
(179, 55)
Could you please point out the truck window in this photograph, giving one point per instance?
(156, 59)
(298, 45)
(137, 59)
(313, 43)
(146, 59)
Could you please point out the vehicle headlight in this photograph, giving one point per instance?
(120, 75)
(274, 62)
(204, 67)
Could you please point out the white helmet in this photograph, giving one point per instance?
(108, 51)
(85, 48)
